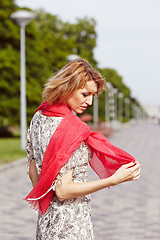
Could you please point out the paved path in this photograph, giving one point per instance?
(129, 211)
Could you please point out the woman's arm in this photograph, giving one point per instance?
(33, 174)
(66, 189)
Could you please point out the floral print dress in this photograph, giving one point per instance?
(69, 219)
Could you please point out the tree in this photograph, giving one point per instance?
(115, 79)
(62, 39)
(9, 65)
(48, 43)
(83, 37)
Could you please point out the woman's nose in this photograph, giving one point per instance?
(89, 100)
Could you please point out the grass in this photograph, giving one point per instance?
(10, 150)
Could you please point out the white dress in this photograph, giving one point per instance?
(69, 219)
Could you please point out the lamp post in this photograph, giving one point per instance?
(95, 112)
(120, 106)
(72, 57)
(111, 105)
(22, 18)
(137, 112)
(107, 104)
(134, 109)
(127, 108)
(115, 92)
(107, 117)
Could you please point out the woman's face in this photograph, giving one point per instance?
(83, 97)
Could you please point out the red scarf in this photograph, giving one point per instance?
(68, 136)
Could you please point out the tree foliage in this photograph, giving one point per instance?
(49, 41)
(115, 79)
(9, 64)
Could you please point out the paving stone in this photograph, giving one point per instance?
(129, 211)
(135, 206)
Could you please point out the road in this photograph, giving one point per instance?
(129, 211)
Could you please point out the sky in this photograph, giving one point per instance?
(128, 38)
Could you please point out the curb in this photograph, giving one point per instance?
(16, 163)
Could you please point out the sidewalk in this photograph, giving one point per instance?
(14, 164)
(17, 219)
(129, 211)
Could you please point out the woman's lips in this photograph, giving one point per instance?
(84, 108)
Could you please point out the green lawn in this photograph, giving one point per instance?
(10, 150)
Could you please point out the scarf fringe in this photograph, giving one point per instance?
(34, 205)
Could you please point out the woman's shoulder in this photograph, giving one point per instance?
(40, 119)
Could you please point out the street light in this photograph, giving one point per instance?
(22, 18)
(111, 105)
(115, 92)
(95, 112)
(72, 57)
(107, 103)
(127, 108)
(137, 112)
(120, 106)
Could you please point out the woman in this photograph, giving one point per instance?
(59, 149)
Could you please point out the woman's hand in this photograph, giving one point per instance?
(128, 172)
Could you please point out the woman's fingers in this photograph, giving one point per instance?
(135, 171)
(128, 172)
(136, 177)
(128, 165)
(133, 165)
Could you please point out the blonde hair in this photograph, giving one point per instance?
(70, 78)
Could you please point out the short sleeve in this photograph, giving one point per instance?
(29, 148)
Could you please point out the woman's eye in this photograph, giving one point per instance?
(85, 94)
